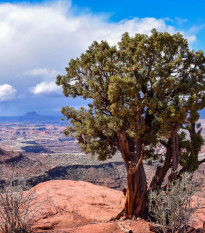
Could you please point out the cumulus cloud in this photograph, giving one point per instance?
(41, 72)
(46, 88)
(38, 40)
(7, 92)
(43, 35)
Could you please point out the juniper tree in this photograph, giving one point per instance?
(144, 93)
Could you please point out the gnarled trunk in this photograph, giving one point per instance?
(136, 192)
(161, 171)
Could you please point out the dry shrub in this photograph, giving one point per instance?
(172, 209)
(17, 207)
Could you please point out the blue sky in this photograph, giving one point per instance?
(38, 38)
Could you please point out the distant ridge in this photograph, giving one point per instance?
(8, 156)
(4, 153)
(35, 118)
(31, 117)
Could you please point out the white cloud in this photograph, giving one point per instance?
(48, 35)
(46, 88)
(38, 40)
(44, 73)
(180, 20)
(191, 38)
(112, 33)
(7, 92)
(196, 28)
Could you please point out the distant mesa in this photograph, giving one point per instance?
(32, 117)
(36, 149)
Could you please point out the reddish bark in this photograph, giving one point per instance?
(136, 194)
(161, 171)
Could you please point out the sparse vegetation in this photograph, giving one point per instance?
(17, 207)
(172, 209)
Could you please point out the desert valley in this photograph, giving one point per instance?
(43, 153)
(99, 109)
(40, 152)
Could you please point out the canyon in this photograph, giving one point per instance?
(45, 157)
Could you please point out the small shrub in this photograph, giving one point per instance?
(18, 208)
(172, 209)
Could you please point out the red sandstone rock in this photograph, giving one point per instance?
(80, 207)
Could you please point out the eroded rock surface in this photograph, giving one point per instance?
(81, 207)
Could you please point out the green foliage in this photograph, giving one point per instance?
(173, 209)
(192, 146)
(146, 86)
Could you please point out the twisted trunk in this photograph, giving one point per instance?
(161, 171)
(136, 192)
(172, 159)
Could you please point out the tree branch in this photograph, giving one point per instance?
(164, 143)
(139, 161)
(202, 161)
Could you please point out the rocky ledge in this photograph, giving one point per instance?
(81, 207)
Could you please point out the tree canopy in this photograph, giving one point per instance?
(146, 90)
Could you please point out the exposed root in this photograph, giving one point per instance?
(118, 216)
(123, 211)
(124, 229)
